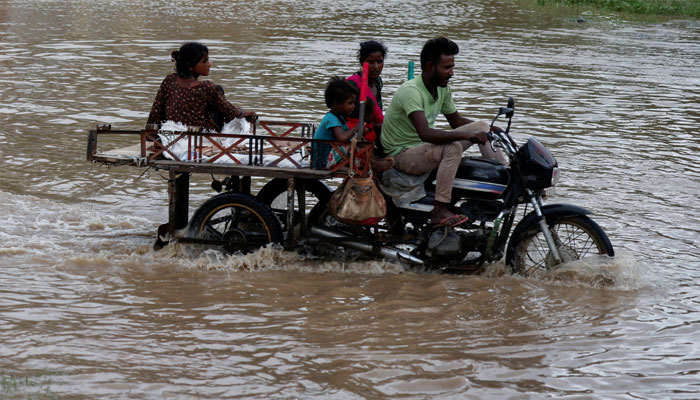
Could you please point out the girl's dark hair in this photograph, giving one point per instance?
(369, 47)
(338, 90)
(187, 57)
(434, 48)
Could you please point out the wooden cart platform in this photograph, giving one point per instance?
(243, 157)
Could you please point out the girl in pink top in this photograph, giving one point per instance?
(373, 53)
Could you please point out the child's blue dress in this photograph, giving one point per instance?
(325, 132)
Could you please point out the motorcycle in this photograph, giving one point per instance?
(489, 193)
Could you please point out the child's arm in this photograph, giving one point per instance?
(343, 136)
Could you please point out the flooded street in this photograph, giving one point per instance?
(89, 310)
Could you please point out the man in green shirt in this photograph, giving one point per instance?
(408, 133)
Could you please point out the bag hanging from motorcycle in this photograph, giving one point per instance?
(357, 201)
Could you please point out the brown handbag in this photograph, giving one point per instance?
(357, 201)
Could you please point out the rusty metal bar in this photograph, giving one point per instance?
(178, 200)
(91, 145)
(290, 212)
(301, 188)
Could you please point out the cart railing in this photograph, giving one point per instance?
(280, 145)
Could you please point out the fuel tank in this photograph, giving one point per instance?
(477, 178)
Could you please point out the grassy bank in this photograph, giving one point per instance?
(680, 8)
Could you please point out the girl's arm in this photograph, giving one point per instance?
(343, 136)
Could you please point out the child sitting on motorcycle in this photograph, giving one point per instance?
(340, 99)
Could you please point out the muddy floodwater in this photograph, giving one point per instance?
(89, 311)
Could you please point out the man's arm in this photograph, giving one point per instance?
(457, 120)
(439, 136)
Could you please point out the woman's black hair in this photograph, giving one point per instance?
(434, 48)
(187, 57)
(369, 47)
(338, 90)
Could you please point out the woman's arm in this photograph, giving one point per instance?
(156, 114)
(229, 110)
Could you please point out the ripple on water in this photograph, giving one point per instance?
(89, 310)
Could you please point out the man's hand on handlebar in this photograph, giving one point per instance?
(479, 137)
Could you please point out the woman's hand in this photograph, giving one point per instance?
(249, 115)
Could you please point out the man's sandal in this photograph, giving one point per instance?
(452, 221)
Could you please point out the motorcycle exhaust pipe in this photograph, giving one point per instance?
(349, 241)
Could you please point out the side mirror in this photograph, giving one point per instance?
(511, 106)
(505, 110)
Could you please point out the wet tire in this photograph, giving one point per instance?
(274, 195)
(235, 221)
(577, 237)
(319, 217)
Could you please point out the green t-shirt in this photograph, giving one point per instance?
(398, 131)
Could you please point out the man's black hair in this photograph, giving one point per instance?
(187, 57)
(338, 90)
(434, 48)
(369, 47)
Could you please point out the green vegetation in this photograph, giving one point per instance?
(682, 8)
(26, 387)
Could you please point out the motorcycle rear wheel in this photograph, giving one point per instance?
(321, 218)
(577, 237)
(274, 195)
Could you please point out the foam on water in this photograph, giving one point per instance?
(48, 230)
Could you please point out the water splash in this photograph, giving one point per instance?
(601, 271)
(273, 258)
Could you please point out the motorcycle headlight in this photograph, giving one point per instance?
(555, 176)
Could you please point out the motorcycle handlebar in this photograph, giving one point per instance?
(498, 136)
(492, 138)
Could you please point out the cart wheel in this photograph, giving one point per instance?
(274, 195)
(235, 221)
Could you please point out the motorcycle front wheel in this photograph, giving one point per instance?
(576, 237)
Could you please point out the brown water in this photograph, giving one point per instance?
(87, 310)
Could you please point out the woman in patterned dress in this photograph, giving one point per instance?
(183, 98)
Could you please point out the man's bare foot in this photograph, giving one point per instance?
(382, 164)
